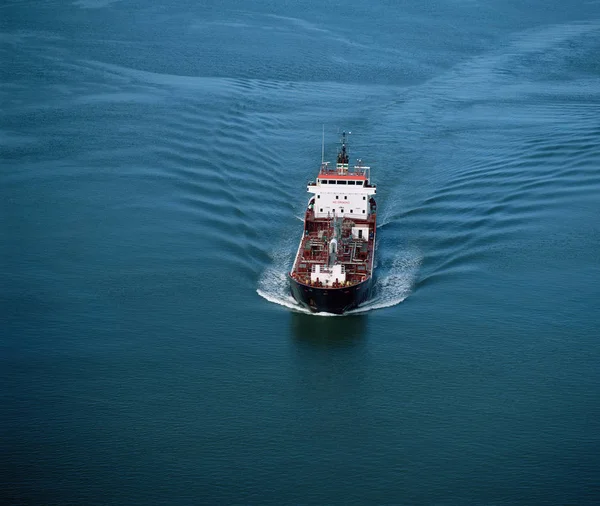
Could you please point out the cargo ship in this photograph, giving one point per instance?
(333, 267)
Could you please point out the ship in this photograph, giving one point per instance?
(333, 267)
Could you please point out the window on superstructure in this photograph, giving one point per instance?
(364, 198)
(323, 181)
(341, 181)
(359, 183)
(337, 197)
(364, 211)
(351, 182)
(318, 196)
(322, 210)
(341, 210)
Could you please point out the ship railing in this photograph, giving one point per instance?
(341, 170)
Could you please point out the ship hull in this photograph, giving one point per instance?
(330, 300)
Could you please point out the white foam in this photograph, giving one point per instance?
(285, 301)
(393, 285)
(273, 284)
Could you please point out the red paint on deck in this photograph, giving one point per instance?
(355, 254)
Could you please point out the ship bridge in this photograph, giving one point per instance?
(342, 192)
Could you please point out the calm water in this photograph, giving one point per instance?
(154, 161)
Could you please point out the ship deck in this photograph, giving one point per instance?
(355, 254)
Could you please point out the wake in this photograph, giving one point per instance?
(273, 285)
(394, 284)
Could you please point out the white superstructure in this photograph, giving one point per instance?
(342, 192)
(328, 275)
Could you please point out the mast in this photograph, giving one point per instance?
(342, 157)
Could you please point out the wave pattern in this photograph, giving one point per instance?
(469, 163)
(494, 157)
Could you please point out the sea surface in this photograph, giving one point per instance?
(154, 159)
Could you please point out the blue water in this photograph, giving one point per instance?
(154, 160)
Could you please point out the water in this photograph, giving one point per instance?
(154, 161)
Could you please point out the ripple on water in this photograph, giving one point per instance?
(499, 156)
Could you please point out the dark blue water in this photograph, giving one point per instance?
(154, 160)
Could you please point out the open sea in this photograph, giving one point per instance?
(153, 167)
